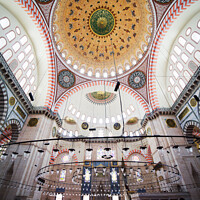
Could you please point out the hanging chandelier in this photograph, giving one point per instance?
(142, 178)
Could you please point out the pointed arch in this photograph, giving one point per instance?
(136, 151)
(34, 13)
(188, 129)
(177, 8)
(52, 159)
(12, 129)
(81, 86)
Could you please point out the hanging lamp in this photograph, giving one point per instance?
(55, 152)
(71, 152)
(125, 151)
(89, 151)
(14, 155)
(107, 154)
(4, 156)
(26, 154)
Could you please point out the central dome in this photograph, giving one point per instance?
(86, 33)
(102, 22)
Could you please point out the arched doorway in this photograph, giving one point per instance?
(191, 128)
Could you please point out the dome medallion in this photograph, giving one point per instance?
(102, 22)
(86, 33)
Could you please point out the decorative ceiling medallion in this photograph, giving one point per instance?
(66, 79)
(171, 123)
(20, 112)
(82, 32)
(184, 113)
(117, 126)
(54, 132)
(149, 132)
(101, 22)
(84, 125)
(132, 121)
(193, 102)
(101, 97)
(12, 101)
(137, 79)
(70, 120)
(33, 122)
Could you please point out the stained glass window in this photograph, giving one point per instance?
(135, 158)
(65, 158)
(62, 175)
(138, 176)
(101, 152)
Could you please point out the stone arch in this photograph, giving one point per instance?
(14, 126)
(164, 26)
(32, 10)
(188, 129)
(3, 103)
(52, 159)
(136, 151)
(81, 86)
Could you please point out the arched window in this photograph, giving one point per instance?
(32, 80)
(174, 59)
(62, 175)
(28, 73)
(16, 47)
(5, 23)
(7, 54)
(177, 90)
(177, 50)
(30, 58)
(173, 96)
(27, 49)
(197, 56)
(65, 158)
(179, 66)
(22, 82)
(23, 40)
(27, 89)
(83, 117)
(171, 81)
(175, 73)
(138, 176)
(11, 36)
(135, 158)
(18, 74)
(2, 42)
(182, 41)
(25, 65)
(184, 58)
(182, 83)
(21, 56)
(17, 50)
(189, 48)
(195, 37)
(187, 75)
(18, 31)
